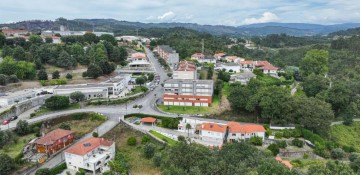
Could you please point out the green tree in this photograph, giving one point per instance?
(19, 53)
(77, 52)
(48, 40)
(109, 38)
(119, 164)
(2, 40)
(314, 84)
(239, 96)
(149, 150)
(6, 51)
(169, 74)
(69, 76)
(337, 153)
(7, 164)
(56, 75)
(140, 80)
(188, 127)
(65, 60)
(145, 139)
(90, 38)
(43, 171)
(42, 75)
(77, 96)
(22, 127)
(35, 39)
(131, 141)
(107, 67)
(3, 80)
(218, 87)
(93, 71)
(274, 148)
(150, 76)
(331, 167)
(271, 167)
(315, 61)
(339, 96)
(224, 76)
(57, 102)
(13, 79)
(95, 134)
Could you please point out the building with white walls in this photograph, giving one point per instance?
(185, 70)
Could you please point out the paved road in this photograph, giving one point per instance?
(59, 158)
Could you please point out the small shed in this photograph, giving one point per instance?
(148, 120)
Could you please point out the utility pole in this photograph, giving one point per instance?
(93, 28)
(202, 46)
(137, 32)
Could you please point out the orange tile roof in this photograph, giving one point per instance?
(232, 57)
(247, 62)
(213, 127)
(197, 55)
(219, 54)
(265, 65)
(53, 136)
(186, 66)
(148, 120)
(236, 127)
(88, 145)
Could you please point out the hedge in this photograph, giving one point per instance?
(58, 169)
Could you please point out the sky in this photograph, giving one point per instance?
(212, 12)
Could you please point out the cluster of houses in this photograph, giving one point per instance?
(219, 133)
(168, 54)
(92, 154)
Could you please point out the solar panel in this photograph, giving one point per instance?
(87, 144)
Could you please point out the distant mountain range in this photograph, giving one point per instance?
(295, 29)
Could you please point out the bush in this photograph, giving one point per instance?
(68, 76)
(306, 156)
(57, 102)
(287, 133)
(65, 125)
(278, 135)
(95, 134)
(43, 171)
(274, 148)
(58, 169)
(282, 144)
(337, 153)
(145, 139)
(97, 117)
(157, 159)
(13, 79)
(56, 75)
(131, 141)
(149, 150)
(298, 143)
(77, 96)
(257, 141)
(22, 128)
(181, 138)
(348, 149)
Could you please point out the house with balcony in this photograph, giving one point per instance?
(239, 131)
(188, 92)
(213, 132)
(54, 141)
(92, 155)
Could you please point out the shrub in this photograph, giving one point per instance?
(77, 96)
(43, 171)
(57, 102)
(22, 127)
(56, 75)
(131, 141)
(65, 125)
(13, 79)
(286, 133)
(297, 142)
(181, 138)
(278, 135)
(348, 149)
(149, 150)
(282, 144)
(256, 141)
(68, 76)
(145, 139)
(58, 169)
(337, 153)
(274, 148)
(95, 134)
(97, 117)
(306, 156)
(157, 159)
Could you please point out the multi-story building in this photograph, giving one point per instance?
(185, 70)
(188, 92)
(168, 54)
(92, 154)
(202, 58)
(213, 132)
(11, 98)
(8, 32)
(54, 141)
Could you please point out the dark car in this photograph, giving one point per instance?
(5, 122)
(14, 118)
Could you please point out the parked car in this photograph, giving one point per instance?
(5, 122)
(14, 118)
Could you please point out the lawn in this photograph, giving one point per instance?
(137, 89)
(43, 111)
(203, 74)
(226, 89)
(347, 135)
(15, 149)
(139, 164)
(162, 137)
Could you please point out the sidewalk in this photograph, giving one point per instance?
(59, 158)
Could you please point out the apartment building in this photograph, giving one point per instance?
(92, 154)
(185, 70)
(187, 92)
(168, 54)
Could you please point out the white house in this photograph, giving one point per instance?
(234, 59)
(92, 154)
(265, 66)
(219, 56)
(202, 58)
(212, 132)
(239, 131)
(229, 67)
(243, 77)
(193, 123)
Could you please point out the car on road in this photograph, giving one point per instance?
(5, 122)
(13, 118)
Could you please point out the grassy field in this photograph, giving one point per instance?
(192, 109)
(16, 148)
(46, 110)
(139, 164)
(162, 137)
(347, 135)
(226, 89)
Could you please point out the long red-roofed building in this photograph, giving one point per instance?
(13, 32)
(53, 141)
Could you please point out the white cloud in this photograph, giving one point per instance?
(167, 16)
(266, 17)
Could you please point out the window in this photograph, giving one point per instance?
(233, 134)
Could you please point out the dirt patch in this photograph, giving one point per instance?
(20, 86)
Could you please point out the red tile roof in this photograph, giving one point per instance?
(186, 66)
(265, 65)
(148, 120)
(247, 62)
(236, 127)
(219, 54)
(216, 127)
(88, 145)
(197, 55)
(14, 31)
(53, 136)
